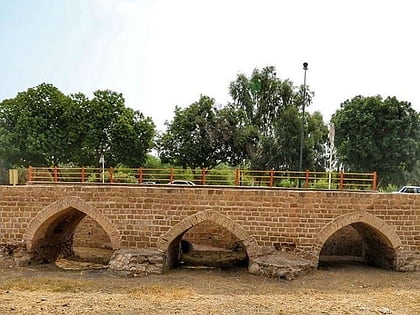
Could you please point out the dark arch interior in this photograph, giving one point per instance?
(91, 242)
(358, 243)
(206, 245)
(58, 235)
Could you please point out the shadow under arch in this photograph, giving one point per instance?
(50, 232)
(382, 241)
(170, 241)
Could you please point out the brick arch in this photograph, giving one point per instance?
(59, 206)
(386, 233)
(177, 231)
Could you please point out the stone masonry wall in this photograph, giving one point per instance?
(211, 234)
(90, 234)
(137, 217)
(346, 241)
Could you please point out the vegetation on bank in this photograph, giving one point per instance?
(259, 129)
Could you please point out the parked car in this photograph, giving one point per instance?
(409, 190)
(182, 182)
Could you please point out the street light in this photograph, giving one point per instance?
(102, 161)
(305, 67)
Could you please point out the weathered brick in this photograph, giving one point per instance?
(152, 217)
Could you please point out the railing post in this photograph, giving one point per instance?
(374, 181)
(111, 175)
(237, 176)
(140, 175)
(171, 175)
(341, 180)
(203, 176)
(55, 174)
(271, 178)
(307, 179)
(83, 174)
(30, 174)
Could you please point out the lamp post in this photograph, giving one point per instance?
(102, 161)
(305, 67)
(331, 135)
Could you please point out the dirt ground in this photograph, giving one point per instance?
(345, 289)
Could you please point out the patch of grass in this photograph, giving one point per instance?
(47, 285)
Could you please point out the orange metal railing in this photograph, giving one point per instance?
(221, 177)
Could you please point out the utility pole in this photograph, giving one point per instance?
(305, 67)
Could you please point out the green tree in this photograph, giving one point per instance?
(44, 127)
(281, 150)
(373, 134)
(121, 134)
(132, 138)
(412, 177)
(80, 105)
(152, 162)
(38, 128)
(314, 142)
(262, 97)
(203, 136)
(271, 109)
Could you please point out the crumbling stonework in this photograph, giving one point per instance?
(408, 262)
(199, 255)
(13, 256)
(137, 262)
(281, 265)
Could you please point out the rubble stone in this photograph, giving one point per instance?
(137, 262)
(13, 256)
(281, 265)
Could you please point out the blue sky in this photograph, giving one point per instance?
(164, 53)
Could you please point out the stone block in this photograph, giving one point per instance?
(281, 265)
(137, 262)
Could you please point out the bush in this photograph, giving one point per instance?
(320, 184)
(97, 177)
(285, 183)
(121, 176)
(389, 188)
(221, 175)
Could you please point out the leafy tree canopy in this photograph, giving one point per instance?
(37, 127)
(271, 109)
(42, 126)
(120, 133)
(201, 135)
(262, 97)
(376, 134)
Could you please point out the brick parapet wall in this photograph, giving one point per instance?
(141, 215)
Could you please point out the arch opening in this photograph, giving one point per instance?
(207, 239)
(63, 226)
(359, 243)
(91, 242)
(54, 237)
(210, 245)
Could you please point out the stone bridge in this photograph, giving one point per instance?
(42, 219)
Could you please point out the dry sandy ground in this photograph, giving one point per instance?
(347, 289)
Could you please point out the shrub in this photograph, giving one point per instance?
(320, 184)
(285, 183)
